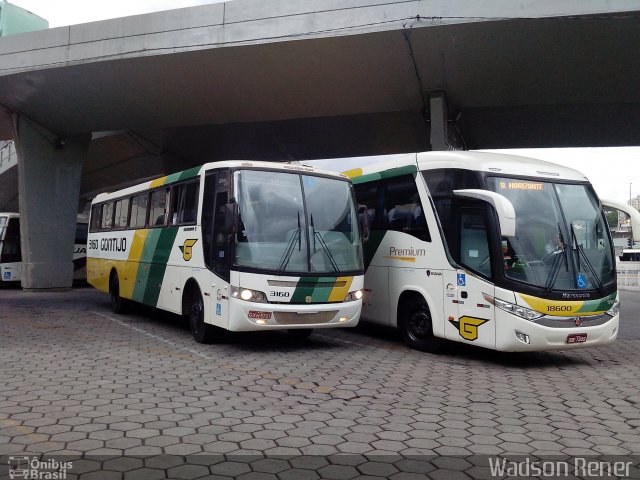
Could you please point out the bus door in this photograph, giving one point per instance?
(469, 316)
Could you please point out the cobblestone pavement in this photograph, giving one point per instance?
(137, 398)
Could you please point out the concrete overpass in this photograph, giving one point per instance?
(284, 80)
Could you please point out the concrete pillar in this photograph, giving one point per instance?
(439, 117)
(49, 171)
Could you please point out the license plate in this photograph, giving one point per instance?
(577, 338)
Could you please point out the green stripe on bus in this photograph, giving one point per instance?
(318, 288)
(392, 172)
(304, 289)
(184, 175)
(192, 172)
(144, 264)
(159, 265)
(600, 305)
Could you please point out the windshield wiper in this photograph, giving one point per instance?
(587, 262)
(323, 245)
(290, 247)
(555, 266)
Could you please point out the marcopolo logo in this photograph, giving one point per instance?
(33, 468)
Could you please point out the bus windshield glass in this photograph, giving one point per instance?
(296, 223)
(561, 240)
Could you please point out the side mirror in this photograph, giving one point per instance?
(629, 210)
(501, 204)
(363, 220)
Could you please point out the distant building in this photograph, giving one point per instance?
(14, 19)
(635, 202)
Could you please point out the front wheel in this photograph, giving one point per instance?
(202, 333)
(416, 326)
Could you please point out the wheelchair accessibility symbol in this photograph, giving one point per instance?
(581, 280)
(462, 280)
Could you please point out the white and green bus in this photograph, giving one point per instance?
(233, 246)
(11, 252)
(500, 251)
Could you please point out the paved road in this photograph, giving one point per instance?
(137, 394)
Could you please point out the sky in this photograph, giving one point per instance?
(611, 170)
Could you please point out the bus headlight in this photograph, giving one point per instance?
(517, 310)
(615, 309)
(353, 296)
(248, 295)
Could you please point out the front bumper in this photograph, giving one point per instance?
(545, 335)
(248, 316)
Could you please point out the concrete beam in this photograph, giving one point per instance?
(49, 170)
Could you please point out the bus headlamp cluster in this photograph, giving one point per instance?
(615, 309)
(517, 310)
(248, 295)
(353, 296)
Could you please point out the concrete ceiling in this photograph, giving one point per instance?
(526, 82)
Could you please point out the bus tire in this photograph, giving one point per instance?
(202, 333)
(300, 333)
(416, 325)
(118, 304)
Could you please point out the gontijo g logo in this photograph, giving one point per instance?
(187, 249)
(468, 326)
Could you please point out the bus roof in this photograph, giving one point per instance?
(499, 163)
(193, 172)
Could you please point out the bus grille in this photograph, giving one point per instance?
(293, 318)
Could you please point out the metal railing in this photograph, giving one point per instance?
(8, 157)
(628, 274)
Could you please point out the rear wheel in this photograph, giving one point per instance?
(416, 326)
(118, 304)
(202, 333)
(300, 333)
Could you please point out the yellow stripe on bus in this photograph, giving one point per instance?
(157, 182)
(356, 172)
(338, 293)
(129, 270)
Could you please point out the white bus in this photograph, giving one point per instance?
(11, 253)
(233, 246)
(505, 252)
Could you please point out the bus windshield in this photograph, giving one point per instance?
(296, 223)
(561, 240)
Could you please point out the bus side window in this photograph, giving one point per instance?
(157, 208)
(184, 203)
(405, 211)
(11, 245)
(96, 210)
(138, 217)
(190, 205)
(367, 197)
(121, 214)
(107, 216)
